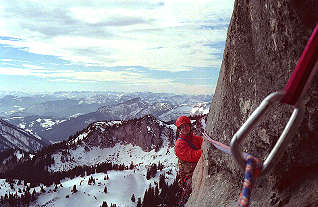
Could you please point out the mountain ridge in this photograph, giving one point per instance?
(164, 108)
(14, 137)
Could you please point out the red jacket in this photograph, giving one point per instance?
(183, 150)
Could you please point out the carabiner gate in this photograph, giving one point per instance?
(283, 140)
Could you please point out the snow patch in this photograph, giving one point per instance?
(18, 155)
(75, 115)
(22, 126)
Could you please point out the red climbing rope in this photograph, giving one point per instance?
(304, 71)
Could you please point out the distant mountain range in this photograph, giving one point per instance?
(59, 115)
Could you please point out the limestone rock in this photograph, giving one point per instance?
(146, 132)
(264, 42)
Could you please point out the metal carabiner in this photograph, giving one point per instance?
(283, 140)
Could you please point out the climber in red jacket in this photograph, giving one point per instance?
(188, 151)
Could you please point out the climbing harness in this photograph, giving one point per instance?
(186, 191)
(295, 89)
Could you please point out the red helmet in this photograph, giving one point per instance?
(182, 120)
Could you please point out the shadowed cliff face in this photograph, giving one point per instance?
(265, 40)
(146, 132)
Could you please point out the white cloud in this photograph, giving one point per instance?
(69, 81)
(179, 88)
(35, 67)
(6, 60)
(71, 75)
(172, 35)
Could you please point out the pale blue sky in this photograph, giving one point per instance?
(115, 45)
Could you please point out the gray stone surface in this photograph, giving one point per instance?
(264, 42)
(146, 132)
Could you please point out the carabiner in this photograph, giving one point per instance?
(283, 140)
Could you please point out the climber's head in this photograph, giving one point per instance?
(183, 124)
(182, 120)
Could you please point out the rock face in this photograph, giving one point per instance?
(265, 40)
(146, 132)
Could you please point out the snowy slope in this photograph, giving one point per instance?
(121, 185)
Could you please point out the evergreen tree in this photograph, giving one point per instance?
(11, 200)
(160, 166)
(11, 186)
(170, 193)
(133, 199)
(148, 174)
(139, 202)
(156, 194)
(27, 197)
(131, 165)
(55, 188)
(149, 197)
(152, 171)
(162, 182)
(74, 190)
(105, 189)
(28, 188)
(173, 193)
(104, 204)
(42, 189)
(91, 180)
(33, 196)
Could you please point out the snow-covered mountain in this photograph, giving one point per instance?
(122, 157)
(109, 106)
(66, 104)
(164, 110)
(55, 129)
(12, 137)
(59, 104)
(135, 108)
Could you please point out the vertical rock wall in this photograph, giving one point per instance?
(264, 42)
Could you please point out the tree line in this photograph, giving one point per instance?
(161, 194)
(38, 174)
